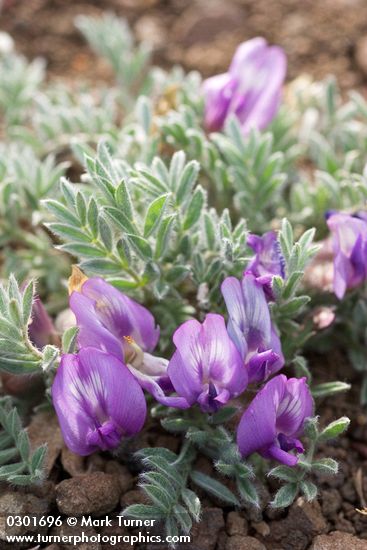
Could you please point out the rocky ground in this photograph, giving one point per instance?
(99, 485)
(319, 37)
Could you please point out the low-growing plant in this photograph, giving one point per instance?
(193, 210)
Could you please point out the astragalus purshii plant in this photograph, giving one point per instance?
(189, 207)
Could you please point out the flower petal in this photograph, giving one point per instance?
(95, 390)
(350, 251)
(296, 406)
(121, 315)
(250, 324)
(262, 365)
(92, 332)
(263, 102)
(185, 368)
(217, 92)
(257, 428)
(268, 259)
(206, 362)
(233, 297)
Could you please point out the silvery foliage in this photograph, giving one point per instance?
(124, 180)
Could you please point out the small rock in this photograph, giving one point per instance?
(262, 528)
(307, 516)
(122, 473)
(14, 503)
(95, 463)
(44, 491)
(95, 494)
(359, 523)
(338, 541)
(343, 524)
(236, 524)
(222, 541)
(237, 542)
(348, 491)
(72, 463)
(44, 428)
(331, 502)
(296, 531)
(205, 533)
(53, 547)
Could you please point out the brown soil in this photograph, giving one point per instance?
(319, 37)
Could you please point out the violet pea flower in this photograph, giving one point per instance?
(41, 328)
(97, 401)
(349, 235)
(41, 331)
(274, 420)
(206, 367)
(250, 327)
(111, 321)
(268, 260)
(251, 89)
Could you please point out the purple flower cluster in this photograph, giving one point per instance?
(349, 236)
(250, 90)
(98, 392)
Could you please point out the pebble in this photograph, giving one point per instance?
(122, 473)
(331, 502)
(205, 533)
(238, 542)
(236, 524)
(262, 528)
(16, 503)
(91, 494)
(348, 491)
(307, 516)
(338, 541)
(72, 463)
(44, 428)
(304, 521)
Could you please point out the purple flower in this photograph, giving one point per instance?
(206, 367)
(251, 89)
(274, 420)
(97, 401)
(41, 328)
(41, 332)
(251, 328)
(350, 251)
(110, 321)
(268, 260)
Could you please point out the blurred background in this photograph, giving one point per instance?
(319, 36)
